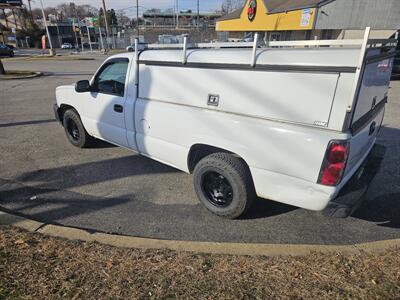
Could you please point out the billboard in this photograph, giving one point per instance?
(91, 22)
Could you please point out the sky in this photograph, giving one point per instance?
(129, 6)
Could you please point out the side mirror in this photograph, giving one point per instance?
(82, 86)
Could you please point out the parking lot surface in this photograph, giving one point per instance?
(114, 190)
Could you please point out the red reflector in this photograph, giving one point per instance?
(334, 163)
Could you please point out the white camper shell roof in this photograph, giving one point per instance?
(343, 57)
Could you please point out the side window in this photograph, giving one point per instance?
(111, 78)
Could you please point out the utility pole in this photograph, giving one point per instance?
(90, 40)
(58, 32)
(101, 38)
(198, 14)
(106, 22)
(137, 18)
(80, 29)
(76, 36)
(177, 13)
(51, 51)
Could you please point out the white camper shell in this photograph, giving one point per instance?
(291, 122)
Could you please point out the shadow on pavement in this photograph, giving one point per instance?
(94, 172)
(27, 123)
(52, 205)
(385, 208)
(263, 208)
(100, 144)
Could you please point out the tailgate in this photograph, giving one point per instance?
(370, 103)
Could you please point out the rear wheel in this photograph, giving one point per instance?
(74, 129)
(223, 184)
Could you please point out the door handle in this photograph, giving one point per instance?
(118, 108)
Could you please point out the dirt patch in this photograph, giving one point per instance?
(34, 266)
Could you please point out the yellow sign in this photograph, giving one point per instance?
(302, 19)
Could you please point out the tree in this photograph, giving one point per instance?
(230, 5)
(112, 17)
(122, 19)
(67, 10)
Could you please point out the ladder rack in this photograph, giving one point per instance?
(363, 44)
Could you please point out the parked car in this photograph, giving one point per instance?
(8, 45)
(94, 45)
(141, 47)
(6, 51)
(289, 125)
(67, 46)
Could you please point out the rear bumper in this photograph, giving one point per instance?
(339, 201)
(352, 194)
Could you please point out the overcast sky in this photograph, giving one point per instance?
(130, 5)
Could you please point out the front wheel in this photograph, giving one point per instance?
(223, 184)
(74, 129)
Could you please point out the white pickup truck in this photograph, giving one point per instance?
(291, 122)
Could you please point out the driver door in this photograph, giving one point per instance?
(104, 113)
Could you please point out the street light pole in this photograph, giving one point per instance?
(90, 40)
(106, 21)
(51, 51)
(198, 14)
(177, 14)
(137, 18)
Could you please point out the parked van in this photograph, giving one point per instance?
(291, 123)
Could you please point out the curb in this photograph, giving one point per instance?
(34, 75)
(122, 241)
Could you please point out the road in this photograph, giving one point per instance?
(113, 190)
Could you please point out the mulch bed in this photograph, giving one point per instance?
(33, 266)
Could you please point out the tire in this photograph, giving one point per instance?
(224, 185)
(74, 129)
(130, 50)
(12, 54)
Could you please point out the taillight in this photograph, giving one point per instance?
(334, 163)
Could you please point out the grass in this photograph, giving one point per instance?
(33, 266)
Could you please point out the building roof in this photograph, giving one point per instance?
(277, 6)
(233, 15)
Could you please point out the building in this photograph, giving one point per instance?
(157, 19)
(313, 19)
(11, 22)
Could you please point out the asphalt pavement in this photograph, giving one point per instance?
(110, 189)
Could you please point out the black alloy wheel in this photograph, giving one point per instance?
(73, 130)
(217, 189)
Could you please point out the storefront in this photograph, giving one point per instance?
(313, 19)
